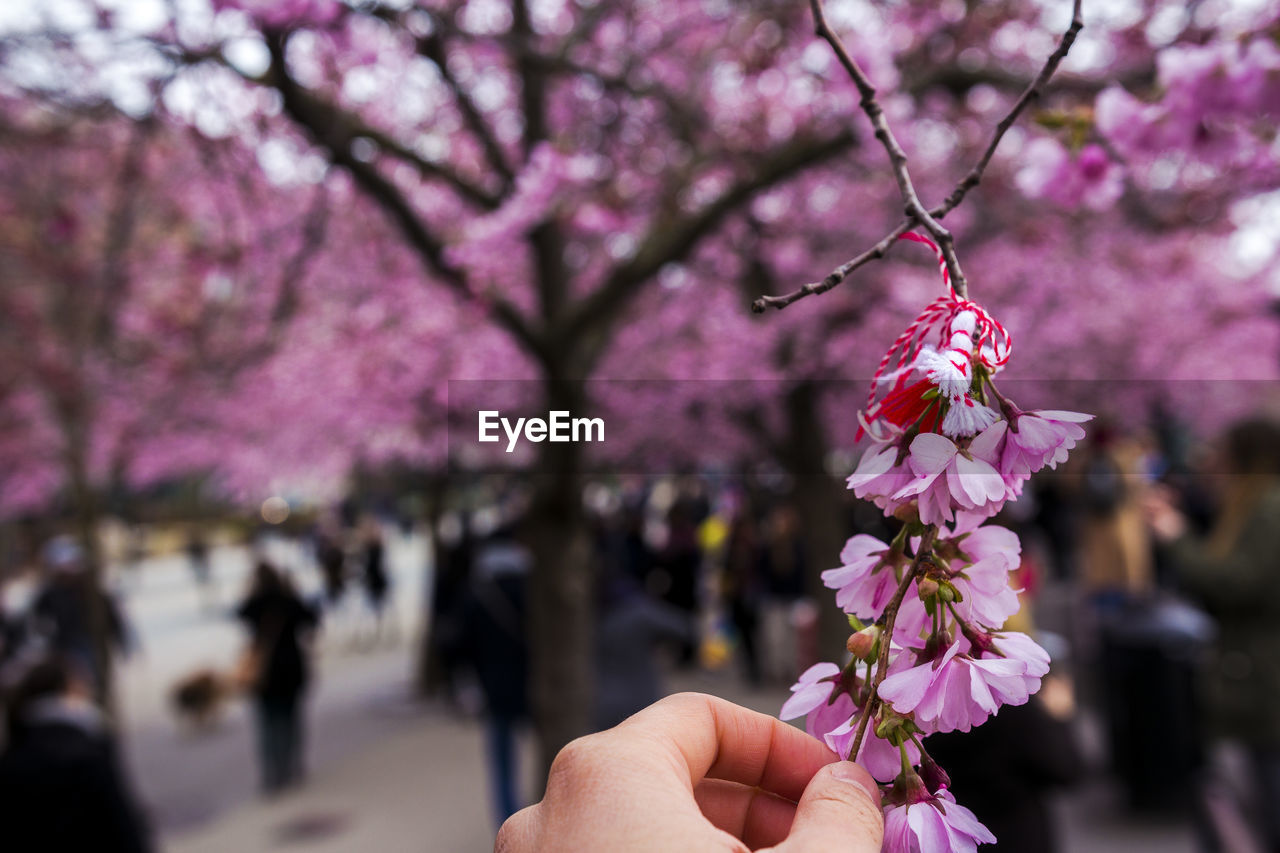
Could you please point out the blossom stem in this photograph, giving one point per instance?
(890, 616)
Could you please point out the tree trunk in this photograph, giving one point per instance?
(560, 624)
(86, 517)
(427, 673)
(820, 500)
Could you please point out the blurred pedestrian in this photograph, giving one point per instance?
(331, 555)
(744, 588)
(630, 628)
(1115, 550)
(276, 671)
(783, 565)
(201, 570)
(62, 785)
(682, 562)
(454, 558)
(373, 575)
(492, 640)
(74, 616)
(1235, 573)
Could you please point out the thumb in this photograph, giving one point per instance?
(840, 810)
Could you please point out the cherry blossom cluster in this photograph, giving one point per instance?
(928, 653)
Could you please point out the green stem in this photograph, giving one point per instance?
(886, 639)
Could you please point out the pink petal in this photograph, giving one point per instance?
(860, 547)
(985, 443)
(929, 828)
(1058, 415)
(981, 482)
(930, 454)
(904, 690)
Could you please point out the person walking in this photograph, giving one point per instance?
(492, 641)
(276, 671)
(374, 577)
(75, 618)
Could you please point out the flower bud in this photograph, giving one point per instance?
(892, 729)
(947, 592)
(927, 588)
(863, 645)
(934, 777)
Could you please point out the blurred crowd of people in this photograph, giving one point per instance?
(62, 785)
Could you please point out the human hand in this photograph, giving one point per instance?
(1164, 518)
(697, 773)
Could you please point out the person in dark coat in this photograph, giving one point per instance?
(66, 607)
(745, 589)
(493, 642)
(377, 583)
(62, 786)
(280, 625)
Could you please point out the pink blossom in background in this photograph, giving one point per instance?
(1086, 179)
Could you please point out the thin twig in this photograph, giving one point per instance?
(886, 637)
(968, 182)
(915, 209)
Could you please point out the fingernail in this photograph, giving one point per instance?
(847, 771)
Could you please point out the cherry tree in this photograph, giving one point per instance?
(580, 190)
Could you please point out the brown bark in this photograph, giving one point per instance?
(820, 502)
(561, 602)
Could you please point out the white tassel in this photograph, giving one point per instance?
(966, 417)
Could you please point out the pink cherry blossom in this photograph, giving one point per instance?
(947, 476)
(879, 475)
(865, 583)
(958, 691)
(986, 597)
(829, 716)
(1036, 439)
(1015, 645)
(811, 691)
(935, 825)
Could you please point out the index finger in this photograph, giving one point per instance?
(714, 738)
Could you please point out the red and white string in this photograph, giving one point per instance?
(938, 315)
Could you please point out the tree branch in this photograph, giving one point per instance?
(342, 122)
(968, 182)
(120, 230)
(432, 47)
(301, 107)
(897, 157)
